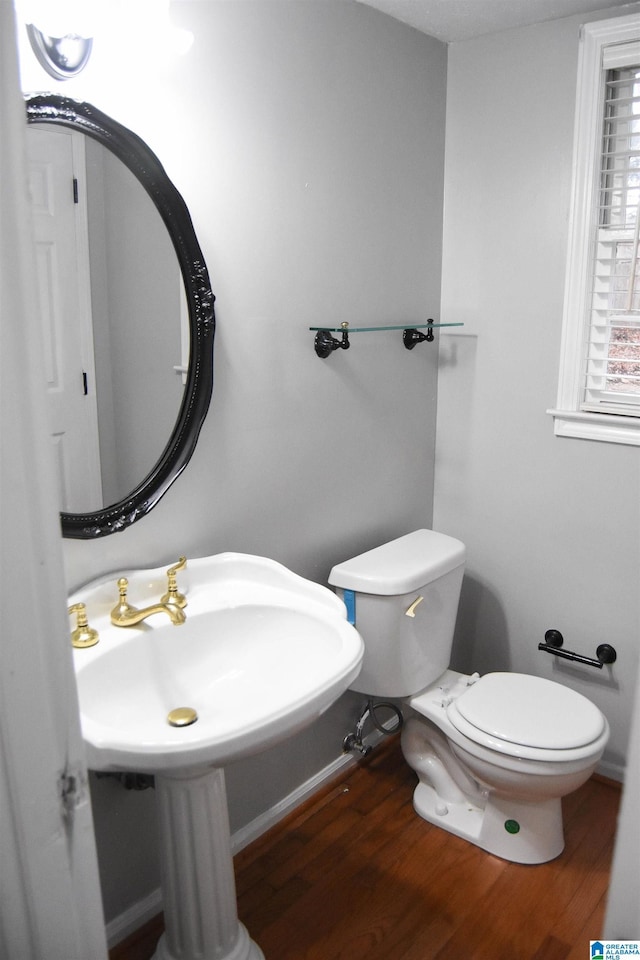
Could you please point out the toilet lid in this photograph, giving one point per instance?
(529, 711)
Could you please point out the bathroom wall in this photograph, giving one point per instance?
(308, 141)
(552, 525)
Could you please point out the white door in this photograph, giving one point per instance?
(58, 196)
(49, 886)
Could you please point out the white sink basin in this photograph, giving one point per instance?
(262, 653)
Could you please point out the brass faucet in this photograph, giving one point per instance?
(124, 615)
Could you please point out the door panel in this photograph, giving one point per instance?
(62, 280)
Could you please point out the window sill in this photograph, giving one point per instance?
(596, 426)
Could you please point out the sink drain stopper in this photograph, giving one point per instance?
(182, 716)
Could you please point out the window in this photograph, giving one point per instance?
(599, 388)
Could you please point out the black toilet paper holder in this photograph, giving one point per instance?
(553, 641)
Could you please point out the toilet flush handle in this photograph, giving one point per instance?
(411, 611)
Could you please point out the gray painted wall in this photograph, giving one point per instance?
(552, 524)
(308, 142)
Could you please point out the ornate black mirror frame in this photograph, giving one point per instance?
(143, 163)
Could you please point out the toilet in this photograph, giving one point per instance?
(494, 754)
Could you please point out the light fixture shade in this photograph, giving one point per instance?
(62, 57)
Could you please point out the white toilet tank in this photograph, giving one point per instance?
(403, 597)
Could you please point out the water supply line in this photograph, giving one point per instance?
(353, 741)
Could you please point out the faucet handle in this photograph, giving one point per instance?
(123, 608)
(83, 635)
(172, 596)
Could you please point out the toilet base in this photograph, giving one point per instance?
(512, 829)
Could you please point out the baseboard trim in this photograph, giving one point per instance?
(135, 917)
(144, 910)
(611, 771)
(265, 821)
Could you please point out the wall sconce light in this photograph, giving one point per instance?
(60, 33)
(62, 57)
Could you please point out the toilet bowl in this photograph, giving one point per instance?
(502, 794)
(494, 754)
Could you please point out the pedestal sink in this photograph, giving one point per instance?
(262, 653)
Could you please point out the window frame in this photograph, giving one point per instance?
(570, 420)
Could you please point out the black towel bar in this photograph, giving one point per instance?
(605, 653)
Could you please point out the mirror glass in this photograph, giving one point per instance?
(128, 321)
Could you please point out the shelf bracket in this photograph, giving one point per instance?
(325, 344)
(411, 337)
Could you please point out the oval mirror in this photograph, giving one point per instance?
(140, 353)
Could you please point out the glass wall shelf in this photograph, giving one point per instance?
(325, 343)
(395, 326)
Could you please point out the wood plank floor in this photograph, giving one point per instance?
(356, 874)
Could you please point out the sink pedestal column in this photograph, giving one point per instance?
(198, 883)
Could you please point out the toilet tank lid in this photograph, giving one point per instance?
(401, 565)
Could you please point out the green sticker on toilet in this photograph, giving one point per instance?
(512, 826)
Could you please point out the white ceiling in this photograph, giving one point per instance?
(452, 20)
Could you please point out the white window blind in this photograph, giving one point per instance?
(612, 354)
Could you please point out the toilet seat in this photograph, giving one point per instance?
(527, 717)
